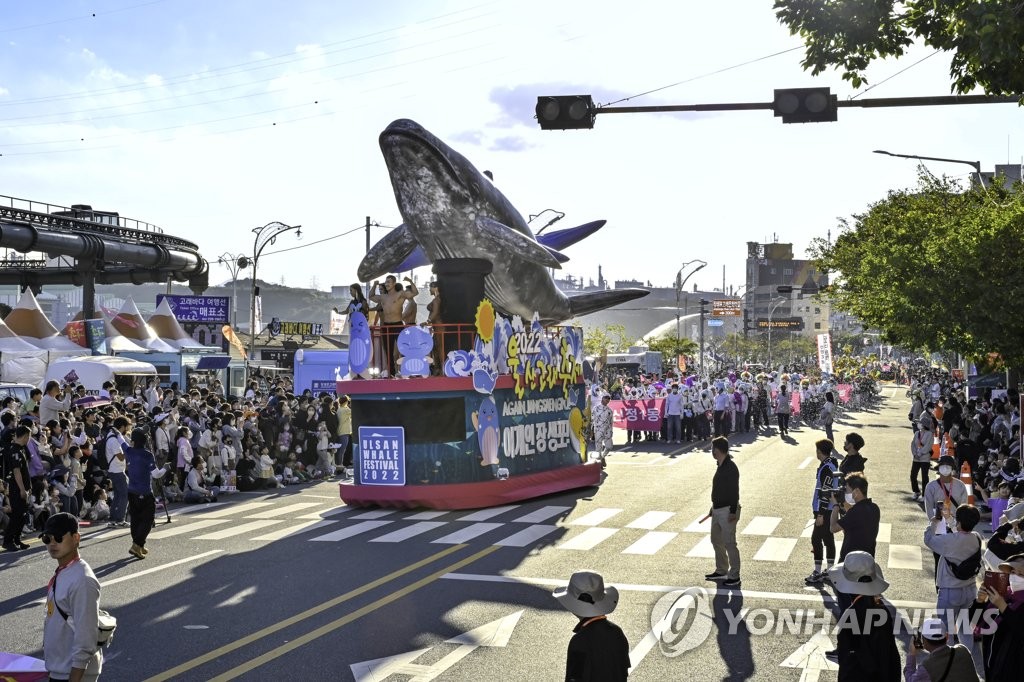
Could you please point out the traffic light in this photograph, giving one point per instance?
(704, 303)
(805, 105)
(566, 112)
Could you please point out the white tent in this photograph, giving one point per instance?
(166, 326)
(130, 324)
(116, 342)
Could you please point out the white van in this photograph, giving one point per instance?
(93, 370)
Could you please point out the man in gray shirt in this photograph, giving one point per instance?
(956, 594)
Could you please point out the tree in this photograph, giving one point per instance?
(611, 338)
(935, 268)
(671, 347)
(984, 36)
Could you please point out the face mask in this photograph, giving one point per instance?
(298, 451)
(1016, 583)
(849, 499)
(945, 470)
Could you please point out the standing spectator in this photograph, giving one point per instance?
(725, 514)
(184, 450)
(1004, 658)
(53, 402)
(723, 403)
(113, 450)
(674, 412)
(921, 453)
(344, 434)
(19, 487)
(141, 467)
(857, 517)
(783, 408)
(828, 415)
(867, 640)
(598, 649)
(959, 563)
(71, 626)
(947, 489)
(602, 419)
(944, 662)
(823, 542)
(853, 461)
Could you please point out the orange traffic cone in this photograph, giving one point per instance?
(967, 480)
(936, 446)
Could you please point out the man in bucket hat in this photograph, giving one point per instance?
(867, 640)
(598, 651)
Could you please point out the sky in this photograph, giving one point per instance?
(213, 117)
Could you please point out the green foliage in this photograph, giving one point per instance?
(671, 348)
(611, 338)
(985, 37)
(935, 268)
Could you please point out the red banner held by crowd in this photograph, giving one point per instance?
(638, 415)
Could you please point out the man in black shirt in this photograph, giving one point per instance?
(598, 651)
(857, 518)
(19, 486)
(725, 513)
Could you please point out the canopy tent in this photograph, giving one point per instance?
(166, 326)
(130, 324)
(27, 319)
(116, 342)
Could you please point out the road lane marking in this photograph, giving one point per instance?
(305, 639)
(526, 536)
(237, 510)
(697, 527)
(596, 517)
(884, 533)
(238, 530)
(426, 516)
(485, 514)
(703, 549)
(327, 514)
(349, 531)
(806, 462)
(650, 543)
(542, 514)
(762, 525)
(409, 531)
(808, 529)
(203, 659)
(905, 556)
(589, 539)
(282, 511)
(650, 520)
(776, 549)
(161, 567)
(468, 533)
(185, 528)
(374, 514)
(304, 527)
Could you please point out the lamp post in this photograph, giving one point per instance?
(234, 263)
(267, 234)
(976, 165)
(771, 311)
(680, 283)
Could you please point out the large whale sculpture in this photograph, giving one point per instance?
(450, 210)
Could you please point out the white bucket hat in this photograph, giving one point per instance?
(858, 574)
(586, 596)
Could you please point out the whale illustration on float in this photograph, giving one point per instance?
(451, 210)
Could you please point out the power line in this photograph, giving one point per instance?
(901, 71)
(327, 239)
(92, 15)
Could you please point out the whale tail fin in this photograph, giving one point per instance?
(582, 304)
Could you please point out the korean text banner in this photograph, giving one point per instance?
(198, 308)
(638, 415)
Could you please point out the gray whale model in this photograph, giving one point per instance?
(451, 210)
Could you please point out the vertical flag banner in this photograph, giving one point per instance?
(825, 353)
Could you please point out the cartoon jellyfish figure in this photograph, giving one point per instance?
(488, 433)
(359, 343)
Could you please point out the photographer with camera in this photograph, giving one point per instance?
(54, 401)
(944, 662)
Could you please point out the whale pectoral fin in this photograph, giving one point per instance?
(387, 254)
(562, 239)
(581, 304)
(558, 255)
(506, 239)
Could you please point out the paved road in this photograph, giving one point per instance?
(296, 586)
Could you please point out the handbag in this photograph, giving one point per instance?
(106, 623)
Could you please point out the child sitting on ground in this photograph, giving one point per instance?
(100, 510)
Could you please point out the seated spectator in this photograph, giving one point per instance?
(195, 490)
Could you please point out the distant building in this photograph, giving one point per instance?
(770, 266)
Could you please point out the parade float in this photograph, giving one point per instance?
(487, 408)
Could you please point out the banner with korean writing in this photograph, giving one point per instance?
(198, 308)
(96, 334)
(638, 415)
(825, 352)
(75, 331)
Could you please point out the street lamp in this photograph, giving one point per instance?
(771, 311)
(267, 234)
(680, 283)
(234, 263)
(976, 165)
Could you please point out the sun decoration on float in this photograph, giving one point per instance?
(485, 321)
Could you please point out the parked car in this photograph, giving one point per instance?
(19, 391)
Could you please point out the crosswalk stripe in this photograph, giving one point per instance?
(409, 531)
(775, 549)
(650, 543)
(542, 514)
(650, 520)
(489, 513)
(905, 556)
(281, 511)
(589, 538)
(703, 549)
(468, 533)
(426, 515)
(185, 528)
(304, 527)
(884, 532)
(697, 527)
(238, 530)
(526, 536)
(349, 531)
(762, 525)
(327, 514)
(808, 529)
(596, 517)
(803, 464)
(233, 510)
(374, 514)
